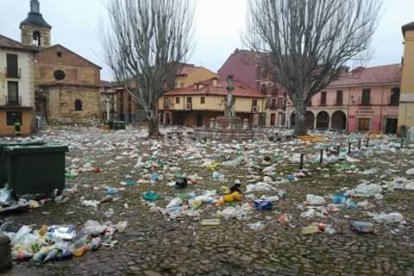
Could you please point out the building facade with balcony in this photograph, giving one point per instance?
(361, 100)
(16, 87)
(196, 105)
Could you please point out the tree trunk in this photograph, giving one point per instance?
(300, 122)
(153, 129)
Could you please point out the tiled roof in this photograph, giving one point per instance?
(372, 75)
(186, 69)
(9, 43)
(207, 88)
(106, 83)
(408, 27)
(35, 19)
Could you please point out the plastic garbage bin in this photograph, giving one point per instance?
(120, 125)
(36, 169)
(3, 157)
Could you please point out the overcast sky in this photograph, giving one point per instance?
(218, 25)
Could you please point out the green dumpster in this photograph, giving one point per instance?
(3, 157)
(120, 125)
(36, 169)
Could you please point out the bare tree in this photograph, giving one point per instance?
(310, 41)
(145, 45)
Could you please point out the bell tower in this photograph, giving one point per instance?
(35, 31)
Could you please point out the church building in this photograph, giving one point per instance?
(67, 86)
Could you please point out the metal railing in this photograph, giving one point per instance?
(16, 101)
(15, 74)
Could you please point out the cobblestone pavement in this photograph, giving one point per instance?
(156, 245)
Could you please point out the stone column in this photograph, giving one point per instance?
(245, 124)
(212, 123)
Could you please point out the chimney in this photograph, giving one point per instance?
(215, 82)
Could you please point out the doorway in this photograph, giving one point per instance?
(363, 124)
(391, 126)
(199, 120)
(273, 119)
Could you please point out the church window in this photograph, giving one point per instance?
(78, 105)
(59, 75)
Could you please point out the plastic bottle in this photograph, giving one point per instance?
(95, 243)
(363, 227)
(80, 251)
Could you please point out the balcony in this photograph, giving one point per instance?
(13, 101)
(366, 102)
(13, 74)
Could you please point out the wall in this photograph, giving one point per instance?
(27, 35)
(406, 111)
(61, 107)
(27, 118)
(198, 74)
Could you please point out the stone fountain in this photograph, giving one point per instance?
(228, 126)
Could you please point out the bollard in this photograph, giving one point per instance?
(321, 159)
(359, 143)
(338, 149)
(367, 142)
(402, 143)
(301, 161)
(349, 147)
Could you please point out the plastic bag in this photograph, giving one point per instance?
(5, 196)
(61, 232)
(151, 196)
(263, 205)
(91, 203)
(389, 218)
(315, 200)
(368, 190)
(121, 226)
(93, 228)
(258, 226)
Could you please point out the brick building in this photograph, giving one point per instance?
(67, 86)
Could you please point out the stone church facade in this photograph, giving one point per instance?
(67, 86)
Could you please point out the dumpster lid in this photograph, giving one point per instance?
(22, 143)
(36, 149)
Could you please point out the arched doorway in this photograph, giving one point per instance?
(338, 120)
(322, 120)
(292, 119)
(309, 120)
